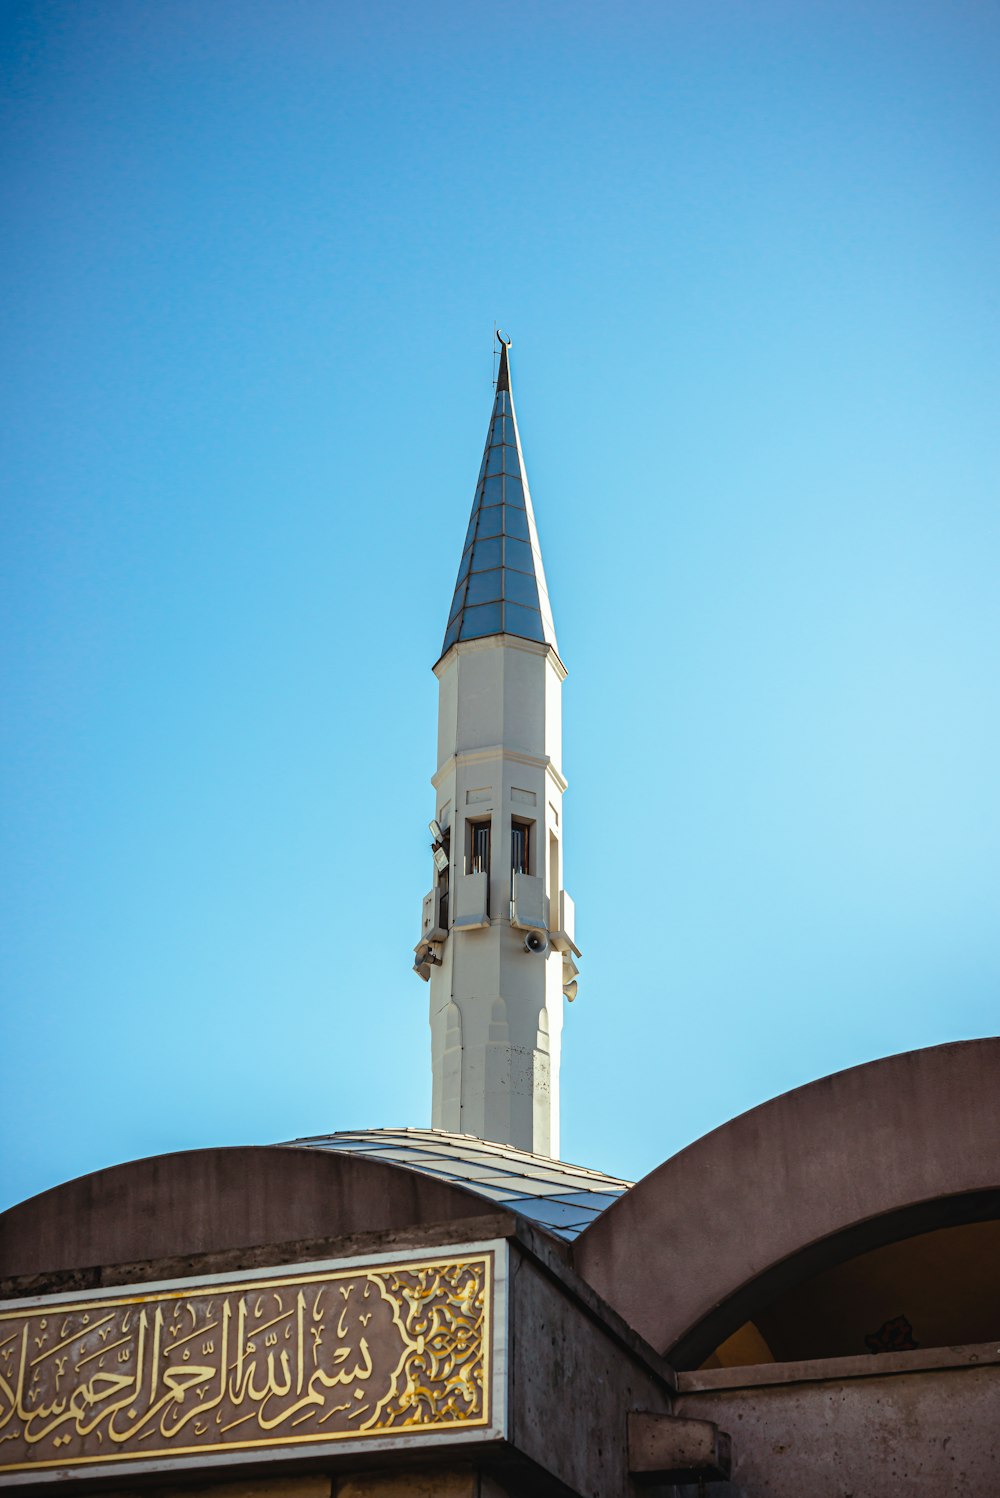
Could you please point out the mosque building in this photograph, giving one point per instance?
(804, 1303)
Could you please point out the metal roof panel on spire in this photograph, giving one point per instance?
(501, 581)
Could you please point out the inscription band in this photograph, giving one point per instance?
(304, 1358)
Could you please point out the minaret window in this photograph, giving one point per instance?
(443, 905)
(479, 848)
(520, 834)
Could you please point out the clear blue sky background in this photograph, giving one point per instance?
(251, 261)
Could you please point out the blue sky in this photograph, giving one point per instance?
(252, 258)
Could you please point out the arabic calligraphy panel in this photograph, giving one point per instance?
(307, 1358)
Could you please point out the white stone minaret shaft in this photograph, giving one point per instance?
(497, 941)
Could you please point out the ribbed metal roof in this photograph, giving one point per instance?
(501, 581)
(562, 1199)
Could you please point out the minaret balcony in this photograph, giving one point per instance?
(432, 928)
(527, 903)
(563, 930)
(472, 894)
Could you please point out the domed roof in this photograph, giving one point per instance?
(562, 1199)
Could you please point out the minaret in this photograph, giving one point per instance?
(497, 942)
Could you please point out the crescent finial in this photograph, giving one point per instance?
(501, 339)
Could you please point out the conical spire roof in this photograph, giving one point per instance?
(501, 581)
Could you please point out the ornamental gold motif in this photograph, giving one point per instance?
(282, 1361)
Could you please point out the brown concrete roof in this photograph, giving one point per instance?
(206, 1201)
(883, 1150)
(212, 1200)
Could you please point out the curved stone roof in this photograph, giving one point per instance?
(897, 1146)
(216, 1201)
(562, 1199)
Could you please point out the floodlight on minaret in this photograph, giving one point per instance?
(497, 944)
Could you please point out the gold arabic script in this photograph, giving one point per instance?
(307, 1358)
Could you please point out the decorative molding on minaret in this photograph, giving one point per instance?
(497, 942)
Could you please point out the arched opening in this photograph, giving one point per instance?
(936, 1288)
